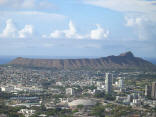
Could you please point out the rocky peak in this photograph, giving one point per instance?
(124, 61)
(127, 54)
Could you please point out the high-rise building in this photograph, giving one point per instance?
(148, 90)
(153, 90)
(69, 91)
(121, 82)
(108, 83)
(129, 98)
(135, 95)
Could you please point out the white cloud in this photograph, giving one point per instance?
(140, 14)
(71, 33)
(39, 13)
(99, 33)
(131, 21)
(10, 31)
(36, 17)
(145, 8)
(33, 15)
(142, 6)
(26, 4)
(56, 34)
(143, 27)
(26, 31)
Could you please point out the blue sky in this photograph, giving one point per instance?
(77, 27)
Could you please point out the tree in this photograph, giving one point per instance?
(98, 111)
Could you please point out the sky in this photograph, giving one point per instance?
(94, 28)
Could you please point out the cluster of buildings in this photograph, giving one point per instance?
(150, 90)
(27, 112)
(133, 99)
(71, 85)
(9, 88)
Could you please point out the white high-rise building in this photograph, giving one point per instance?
(148, 90)
(108, 83)
(121, 83)
(153, 90)
(69, 91)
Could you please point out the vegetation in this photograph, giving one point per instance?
(10, 111)
(111, 110)
(105, 96)
(57, 111)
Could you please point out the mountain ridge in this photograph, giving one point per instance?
(123, 61)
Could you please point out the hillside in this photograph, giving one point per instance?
(123, 61)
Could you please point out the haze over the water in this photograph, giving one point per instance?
(77, 27)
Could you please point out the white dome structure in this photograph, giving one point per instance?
(84, 102)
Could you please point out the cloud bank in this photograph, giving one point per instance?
(25, 4)
(11, 31)
(143, 27)
(146, 7)
(72, 33)
(26, 31)
(139, 14)
(99, 33)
